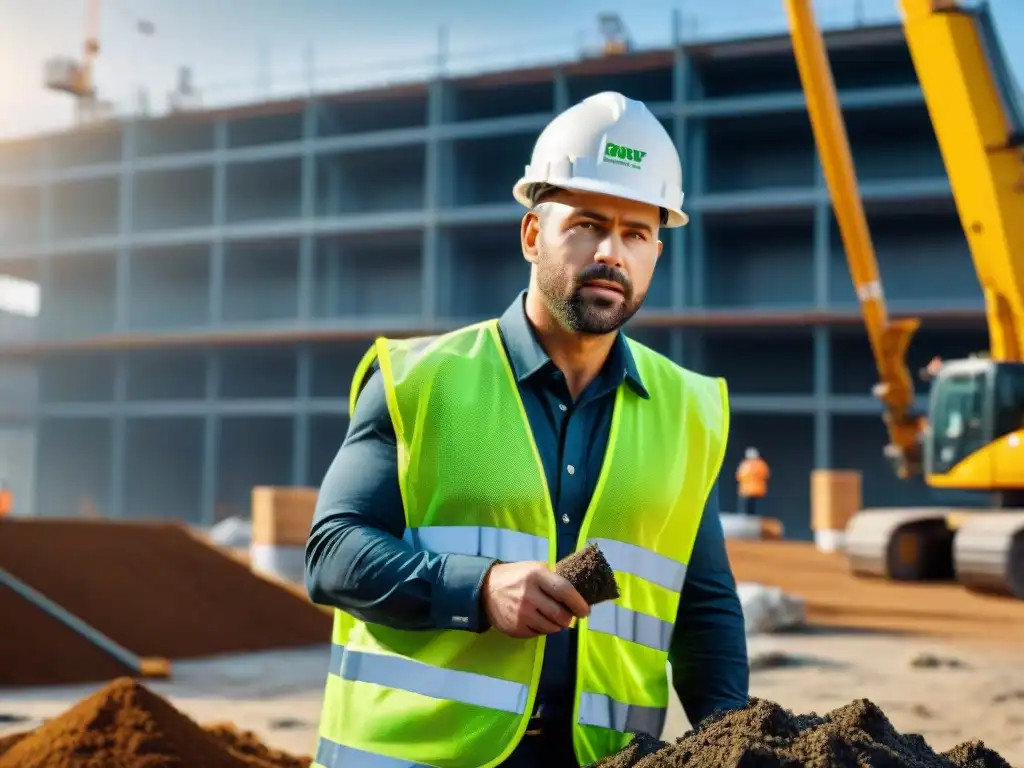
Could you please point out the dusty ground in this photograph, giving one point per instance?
(870, 632)
(277, 695)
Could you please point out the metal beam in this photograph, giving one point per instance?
(804, 404)
(368, 327)
(853, 99)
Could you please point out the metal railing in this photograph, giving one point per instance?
(313, 75)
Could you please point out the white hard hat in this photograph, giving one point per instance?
(752, 453)
(611, 145)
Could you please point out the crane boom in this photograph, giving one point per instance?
(973, 109)
(889, 338)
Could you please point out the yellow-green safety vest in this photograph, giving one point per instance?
(472, 483)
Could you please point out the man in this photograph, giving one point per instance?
(476, 459)
(751, 481)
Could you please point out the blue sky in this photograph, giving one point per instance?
(238, 55)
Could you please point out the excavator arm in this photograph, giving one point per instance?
(973, 107)
(889, 338)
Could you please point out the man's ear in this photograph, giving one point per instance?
(661, 247)
(529, 231)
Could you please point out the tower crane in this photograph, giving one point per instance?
(66, 75)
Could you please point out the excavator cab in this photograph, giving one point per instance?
(973, 441)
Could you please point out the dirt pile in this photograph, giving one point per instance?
(125, 725)
(43, 651)
(764, 735)
(153, 588)
(589, 572)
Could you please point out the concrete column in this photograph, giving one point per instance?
(46, 311)
(561, 91)
(822, 388)
(307, 208)
(300, 435)
(678, 252)
(697, 249)
(211, 438)
(433, 199)
(125, 226)
(122, 283)
(822, 234)
(118, 452)
(216, 307)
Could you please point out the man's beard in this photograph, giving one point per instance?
(581, 312)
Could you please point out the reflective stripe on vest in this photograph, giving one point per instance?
(473, 484)
(468, 688)
(516, 546)
(436, 682)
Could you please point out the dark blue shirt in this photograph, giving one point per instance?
(356, 559)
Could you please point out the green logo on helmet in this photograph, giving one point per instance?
(623, 155)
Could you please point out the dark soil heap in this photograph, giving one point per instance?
(125, 725)
(589, 572)
(764, 735)
(106, 572)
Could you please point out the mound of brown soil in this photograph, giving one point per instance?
(154, 589)
(36, 649)
(125, 725)
(764, 735)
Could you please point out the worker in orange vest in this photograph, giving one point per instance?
(752, 479)
(6, 500)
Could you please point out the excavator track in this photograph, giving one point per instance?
(901, 544)
(988, 551)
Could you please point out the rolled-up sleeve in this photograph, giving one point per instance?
(708, 654)
(356, 558)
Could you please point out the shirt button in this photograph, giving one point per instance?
(565, 519)
(571, 469)
(562, 407)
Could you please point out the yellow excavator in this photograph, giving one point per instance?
(972, 438)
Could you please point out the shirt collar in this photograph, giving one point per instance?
(528, 357)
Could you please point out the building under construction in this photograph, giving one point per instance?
(209, 280)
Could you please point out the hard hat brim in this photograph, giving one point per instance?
(521, 192)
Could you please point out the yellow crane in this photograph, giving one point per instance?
(973, 435)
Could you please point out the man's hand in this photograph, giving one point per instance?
(528, 599)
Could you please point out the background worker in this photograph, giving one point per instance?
(752, 481)
(591, 238)
(6, 499)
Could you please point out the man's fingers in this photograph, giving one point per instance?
(542, 625)
(553, 610)
(564, 592)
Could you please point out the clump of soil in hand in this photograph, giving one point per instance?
(590, 574)
(764, 735)
(125, 725)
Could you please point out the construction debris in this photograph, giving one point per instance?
(932, 661)
(768, 609)
(125, 725)
(764, 735)
(589, 572)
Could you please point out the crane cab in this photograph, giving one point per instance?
(975, 434)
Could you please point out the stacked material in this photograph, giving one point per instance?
(835, 499)
(281, 519)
